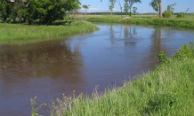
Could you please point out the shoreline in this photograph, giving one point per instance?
(167, 90)
(137, 20)
(11, 33)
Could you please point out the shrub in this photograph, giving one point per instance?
(36, 11)
(162, 57)
(167, 14)
(180, 15)
(186, 51)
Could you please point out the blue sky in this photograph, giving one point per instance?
(143, 7)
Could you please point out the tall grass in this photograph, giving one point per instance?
(166, 91)
(21, 32)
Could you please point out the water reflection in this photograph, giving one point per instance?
(157, 41)
(104, 58)
(36, 70)
(39, 61)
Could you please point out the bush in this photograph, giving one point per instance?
(187, 51)
(180, 15)
(36, 11)
(167, 14)
(162, 57)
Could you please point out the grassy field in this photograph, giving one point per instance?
(21, 33)
(166, 91)
(186, 22)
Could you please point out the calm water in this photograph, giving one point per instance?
(103, 59)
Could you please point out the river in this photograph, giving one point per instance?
(84, 63)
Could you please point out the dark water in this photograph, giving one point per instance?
(105, 58)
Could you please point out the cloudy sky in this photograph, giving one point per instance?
(143, 7)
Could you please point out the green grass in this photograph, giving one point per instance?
(186, 22)
(166, 91)
(21, 33)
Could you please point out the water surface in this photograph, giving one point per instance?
(103, 59)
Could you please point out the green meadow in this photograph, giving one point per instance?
(22, 33)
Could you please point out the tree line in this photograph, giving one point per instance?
(36, 11)
(128, 6)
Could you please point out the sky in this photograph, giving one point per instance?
(143, 7)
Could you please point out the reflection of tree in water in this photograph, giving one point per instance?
(126, 32)
(155, 48)
(156, 45)
(130, 32)
(42, 60)
(112, 36)
(129, 35)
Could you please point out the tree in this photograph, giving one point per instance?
(134, 10)
(171, 7)
(169, 11)
(36, 11)
(47, 11)
(17, 11)
(5, 9)
(112, 5)
(86, 7)
(157, 6)
(121, 8)
(126, 6)
(131, 3)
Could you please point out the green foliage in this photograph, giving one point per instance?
(131, 3)
(180, 15)
(21, 33)
(5, 9)
(167, 14)
(155, 5)
(162, 57)
(186, 51)
(169, 11)
(171, 7)
(35, 106)
(134, 10)
(36, 11)
(45, 11)
(85, 6)
(126, 6)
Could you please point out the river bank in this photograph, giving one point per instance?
(21, 33)
(186, 22)
(167, 90)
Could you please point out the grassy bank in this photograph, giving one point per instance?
(186, 22)
(168, 90)
(21, 33)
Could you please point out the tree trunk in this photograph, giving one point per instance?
(130, 11)
(121, 11)
(160, 8)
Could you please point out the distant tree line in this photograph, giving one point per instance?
(36, 11)
(128, 6)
